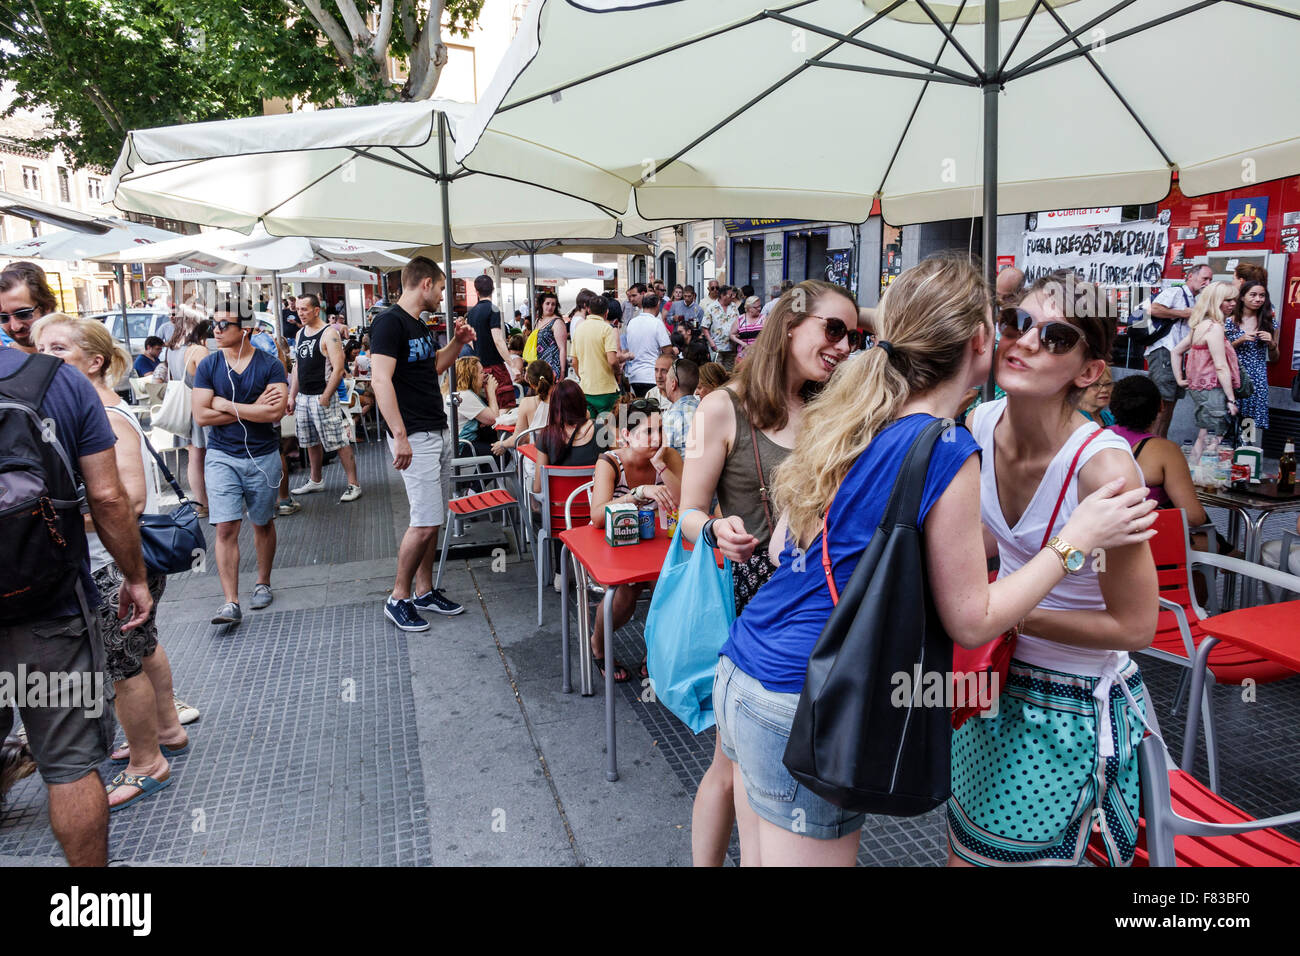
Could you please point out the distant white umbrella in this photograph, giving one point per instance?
(25, 207)
(321, 272)
(70, 245)
(547, 267)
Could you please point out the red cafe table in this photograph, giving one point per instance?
(609, 567)
(1270, 630)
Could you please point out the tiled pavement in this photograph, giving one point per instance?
(330, 738)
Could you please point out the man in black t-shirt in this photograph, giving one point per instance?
(405, 363)
(490, 344)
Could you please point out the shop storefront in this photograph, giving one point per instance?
(765, 252)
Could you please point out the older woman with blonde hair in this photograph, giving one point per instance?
(476, 392)
(134, 660)
(1212, 373)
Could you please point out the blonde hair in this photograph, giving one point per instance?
(1209, 304)
(928, 316)
(468, 370)
(91, 337)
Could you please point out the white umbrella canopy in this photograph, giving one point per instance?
(25, 207)
(71, 244)
(367, 172)
(1043, 103)
(547, 266)
(232, 253)
(321, 272)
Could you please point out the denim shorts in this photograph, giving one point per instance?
(753, 729)
(236, 481)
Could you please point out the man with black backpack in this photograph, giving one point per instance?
(55, 434)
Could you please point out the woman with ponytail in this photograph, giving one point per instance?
(533, 412)
(936, 341)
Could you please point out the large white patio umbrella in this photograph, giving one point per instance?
(812, 109)
(372, 173)
(25, 207)
(72, 244)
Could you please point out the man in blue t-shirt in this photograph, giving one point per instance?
(147, 361)
(240, 394)
(70, 742)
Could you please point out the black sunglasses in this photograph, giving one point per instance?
(223, 324)
(20, 314)
(644, 405)
(837, 330)
(1057, 337)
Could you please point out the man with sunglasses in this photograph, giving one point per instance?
(240, 393)
(25, 296)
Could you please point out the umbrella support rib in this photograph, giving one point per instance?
(547, 94)
(812, 61)
(1118, 95)
(1024, 25)
(989, 232)
(1033, 66)
(449, 292)
(902, 74)
(873, 48)
(912, 115)
(982, 74)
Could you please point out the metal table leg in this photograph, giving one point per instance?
(1194, 701)
(1254, 547)
(611, 765)
(566, 686)
(584, 631)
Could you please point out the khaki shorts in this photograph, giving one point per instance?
(427, 477)
(1161, 372)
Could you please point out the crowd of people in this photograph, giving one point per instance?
(771, 429)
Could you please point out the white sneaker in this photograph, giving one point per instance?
(307, 487)
(352, 493)
(185, 713)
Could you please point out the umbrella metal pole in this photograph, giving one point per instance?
(277, 291)
(991, 90)
(121, 291)
(450, 293)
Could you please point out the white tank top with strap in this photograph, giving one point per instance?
(1018, 545)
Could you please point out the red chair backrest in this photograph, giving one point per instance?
(1169, 549)
(562, 481)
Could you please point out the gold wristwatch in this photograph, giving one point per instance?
(1072, 559)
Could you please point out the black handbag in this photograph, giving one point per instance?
(852, 741)
(171, 542)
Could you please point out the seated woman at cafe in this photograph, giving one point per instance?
(1095, 399)
(478, 404)
(1135, 404)
(641, 469)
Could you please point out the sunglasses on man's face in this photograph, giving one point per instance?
(22, 315)
(222, 325)
(1056, 337)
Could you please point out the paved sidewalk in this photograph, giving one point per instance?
(329, 737)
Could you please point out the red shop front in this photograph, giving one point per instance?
(1258, 223)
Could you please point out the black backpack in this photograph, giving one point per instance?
(42, 535)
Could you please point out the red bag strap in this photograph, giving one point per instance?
(1065, 486)
(1047, 535)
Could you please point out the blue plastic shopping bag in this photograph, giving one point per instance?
(690, 616)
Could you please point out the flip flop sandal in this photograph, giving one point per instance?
(148, 786)
(167, 751)
(600, 666)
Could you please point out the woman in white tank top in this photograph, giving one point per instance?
(1061, 751)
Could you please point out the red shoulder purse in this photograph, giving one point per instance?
(994, 658)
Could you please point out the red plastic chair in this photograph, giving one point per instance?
(1184, 823)
(1178, 629)
(558, 482)
(480, 505)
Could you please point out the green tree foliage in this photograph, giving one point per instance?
(100, 68)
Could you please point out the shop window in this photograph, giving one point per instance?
(806, 256)
(747, 262)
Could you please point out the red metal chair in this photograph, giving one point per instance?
(1184, 823)
(557, 513)
(1178, 630)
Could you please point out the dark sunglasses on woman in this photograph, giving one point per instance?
(1056, 337)
(837, 330)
